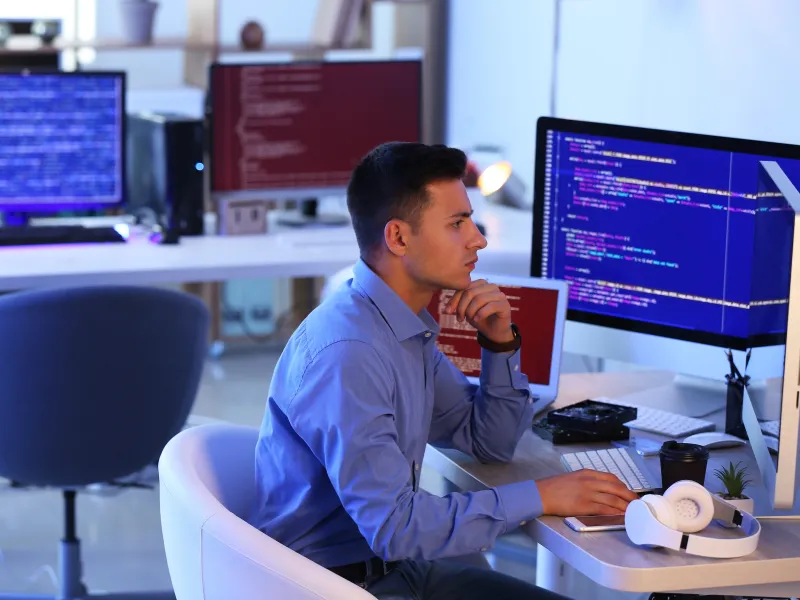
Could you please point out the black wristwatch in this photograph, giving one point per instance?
(511, 346)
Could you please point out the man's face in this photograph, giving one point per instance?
(443, 250)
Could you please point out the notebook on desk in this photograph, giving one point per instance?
(539, 309)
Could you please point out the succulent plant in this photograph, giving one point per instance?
(733, 478)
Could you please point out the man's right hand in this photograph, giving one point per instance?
(584, 492)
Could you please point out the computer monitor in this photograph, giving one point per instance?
(539, 308)
(296, 130)
(62, 141)
(776, 307)
(654, 231)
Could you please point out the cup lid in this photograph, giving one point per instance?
(679, 451)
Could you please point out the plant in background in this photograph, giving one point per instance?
(733, 478)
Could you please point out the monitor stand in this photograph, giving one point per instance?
(690, 396)
(308, 216)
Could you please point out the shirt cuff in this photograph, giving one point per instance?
(503, 368)
(520, 501)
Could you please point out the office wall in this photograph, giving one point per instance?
(723, 67)
(499, 75)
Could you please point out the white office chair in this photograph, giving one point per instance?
(333, 282)
(207, 480)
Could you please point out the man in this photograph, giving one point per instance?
(361, 389)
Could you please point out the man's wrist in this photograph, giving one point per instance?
(510, 344)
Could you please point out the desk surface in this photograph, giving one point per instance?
(316, 252)
(609, 558)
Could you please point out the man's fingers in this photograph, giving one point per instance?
(453, 302)
(603, 509)
(456, 297)
(611, 501)
(482, 302)
(468, 296)
(612, 484)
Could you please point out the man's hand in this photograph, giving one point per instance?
(486, 308)
(584, 492)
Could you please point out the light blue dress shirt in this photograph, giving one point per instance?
(358, 392)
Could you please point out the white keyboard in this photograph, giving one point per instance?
(663, 422)
(617, 461)
(771, 427)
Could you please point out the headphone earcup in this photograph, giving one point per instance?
(692, 505)
(661, 510)
(642, 521)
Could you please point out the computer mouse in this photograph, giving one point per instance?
(714, 439)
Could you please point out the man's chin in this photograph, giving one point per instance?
(455, 283)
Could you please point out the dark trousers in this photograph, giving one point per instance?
(445, 580)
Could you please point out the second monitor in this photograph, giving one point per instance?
(295, 131)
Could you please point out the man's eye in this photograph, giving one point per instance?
(457, 224)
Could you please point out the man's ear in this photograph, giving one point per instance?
(396, 234)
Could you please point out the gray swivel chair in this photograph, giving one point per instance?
(94, 382)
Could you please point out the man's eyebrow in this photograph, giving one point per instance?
(462, 214)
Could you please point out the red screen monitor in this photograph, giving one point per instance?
(538, 309)
(305, 125)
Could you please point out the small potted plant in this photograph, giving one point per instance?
(734, 481)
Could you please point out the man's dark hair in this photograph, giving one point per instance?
(390, 183)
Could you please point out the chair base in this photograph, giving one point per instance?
(71, 585)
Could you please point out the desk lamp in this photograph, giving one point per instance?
(497, 181)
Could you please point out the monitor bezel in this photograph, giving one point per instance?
(289, 193)
(694, 140)
(54, 207)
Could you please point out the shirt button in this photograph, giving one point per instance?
(521, 523)
(516, 367)
(416, 467)
(484, 549)
(530, 400)
(428, 334)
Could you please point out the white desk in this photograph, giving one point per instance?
(285, 253)
(609, 558)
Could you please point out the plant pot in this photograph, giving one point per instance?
(745, 504)
(137, 20)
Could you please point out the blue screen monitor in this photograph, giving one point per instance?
(655, 230)
(62, 141)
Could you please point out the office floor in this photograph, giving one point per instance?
(120, 529)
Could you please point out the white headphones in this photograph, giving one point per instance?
(685, 508)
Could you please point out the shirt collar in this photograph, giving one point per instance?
(397, 314)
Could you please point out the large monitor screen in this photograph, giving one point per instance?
(654, 230)
(306, 125)
(61, 140)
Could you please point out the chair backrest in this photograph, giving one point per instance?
(207, 479)
(335, 281)
(95, 380)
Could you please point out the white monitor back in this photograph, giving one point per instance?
(781, 479)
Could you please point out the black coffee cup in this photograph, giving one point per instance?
(682, 461)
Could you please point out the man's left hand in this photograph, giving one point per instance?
(486, 308)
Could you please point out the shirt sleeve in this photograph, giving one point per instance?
(485, 421)
(343, 409)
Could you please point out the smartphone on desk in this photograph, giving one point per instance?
(642, 446)
(596, 523)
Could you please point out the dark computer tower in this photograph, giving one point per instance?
(165, 170)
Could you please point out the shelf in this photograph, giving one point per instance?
(168, 44)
